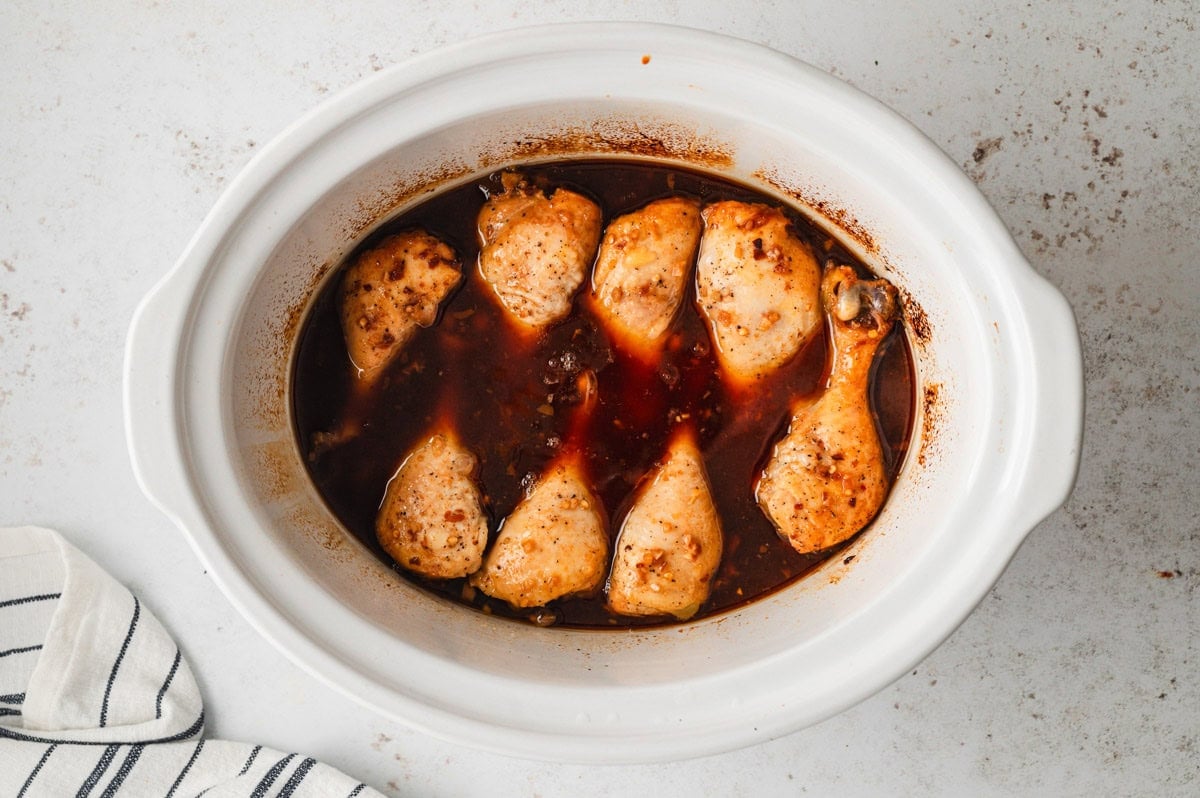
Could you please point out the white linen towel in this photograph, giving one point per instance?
(96, 699)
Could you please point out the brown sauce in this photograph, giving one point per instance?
(511, 400)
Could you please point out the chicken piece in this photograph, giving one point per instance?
(826, 479)
(389, 291)
(536, 250)
(553, 544)
(670, 543)
(431, 521)
(641, 272)
(757, 286)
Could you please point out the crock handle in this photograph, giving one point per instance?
(1058, 431)
(151, 362)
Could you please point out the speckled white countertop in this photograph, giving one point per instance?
(1078, 674)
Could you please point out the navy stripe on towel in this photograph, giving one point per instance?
(167, 683)
(250, 761)
(186, 768)
(272, 774)
(21, 650)
(94, 777)
(297, 777)
(29, 599)
(36, 769)
(127, 765)
(190, 731)
(112, 676)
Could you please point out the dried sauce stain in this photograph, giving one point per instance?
(19, 313)
(370, 211)
(985, 148)
(650, 140)
(300, 520)
(295, 314)
(931, 415)
(270, 391)
(834, 574)
(916, 320)
(275, 471)
(823, 209)
(293, 317)
(1091, 205)
(207, 163)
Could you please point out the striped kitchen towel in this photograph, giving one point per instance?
(96, 699)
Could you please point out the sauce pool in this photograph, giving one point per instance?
(512, 400)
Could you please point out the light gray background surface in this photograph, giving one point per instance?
(121, 123)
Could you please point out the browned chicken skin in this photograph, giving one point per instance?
(431, 521)
(756, 284)
(670, 543)
(552, 545)
(642, 269)
(826, 478)
(536, 250)
(389, 291)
